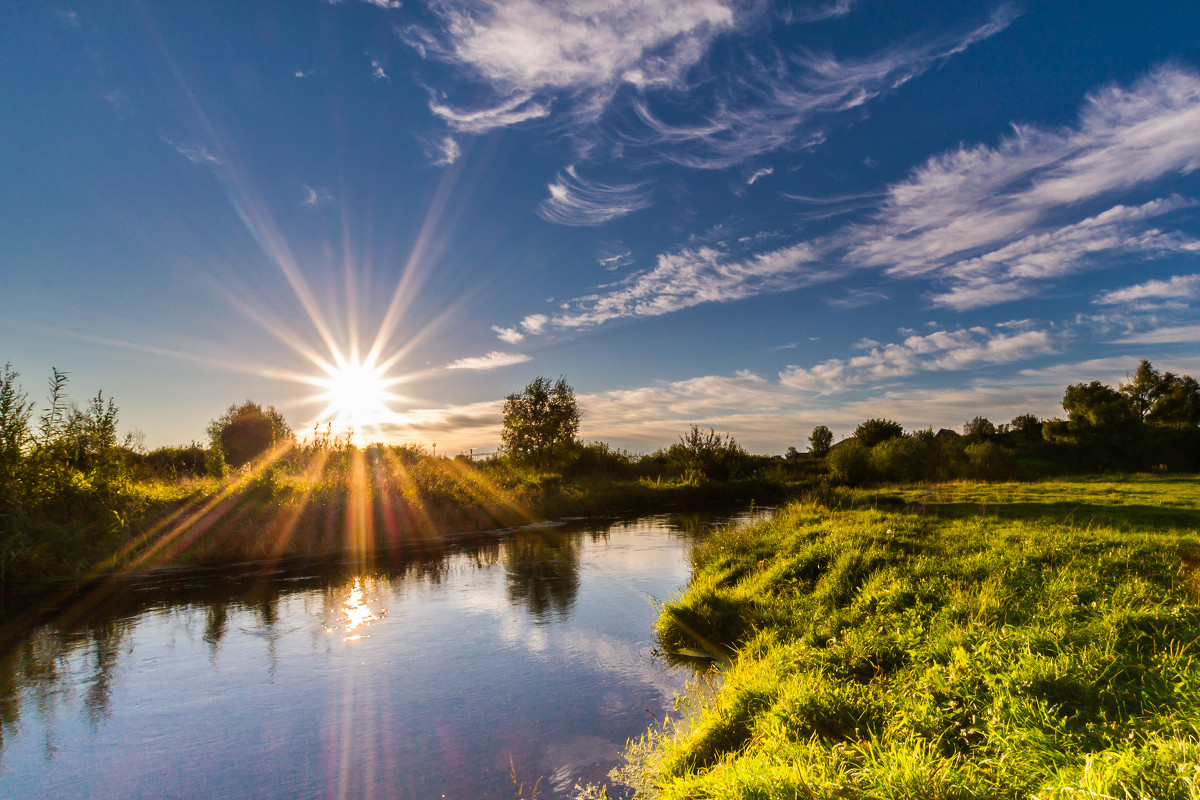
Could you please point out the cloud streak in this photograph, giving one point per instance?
(492, 360)
(694, 276)
(945, 350)
(577, 201)
(763, 106)
(987, 220)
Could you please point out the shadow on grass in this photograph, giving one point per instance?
(1082, 513)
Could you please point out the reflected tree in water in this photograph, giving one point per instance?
(543, 572)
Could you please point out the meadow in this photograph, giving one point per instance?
(965, 640)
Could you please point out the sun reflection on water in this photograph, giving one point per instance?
(358, 613)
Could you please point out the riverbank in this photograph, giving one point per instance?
(971, 640)
(358, 511)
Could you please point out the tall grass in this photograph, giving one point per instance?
(1041, 651)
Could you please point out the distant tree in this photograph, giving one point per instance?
(15, 413)
(1102, 424)
(706, 456)
(246, 431)
(791, 454)
(874, 431)
(979, 429)
(819, 441)
(540, 423)
(1177, 403)
(1144, 388)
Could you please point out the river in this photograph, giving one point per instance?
(441, 674)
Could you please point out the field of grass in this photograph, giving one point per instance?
(962, 641)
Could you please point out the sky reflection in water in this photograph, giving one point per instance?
(421, 679)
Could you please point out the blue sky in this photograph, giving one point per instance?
(758, 217)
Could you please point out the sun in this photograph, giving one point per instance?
(356, 394)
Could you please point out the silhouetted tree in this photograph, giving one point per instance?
(819, 441)
(1177, 403)
(1102, 424)
(541, 422)
(874, 431)
(247, 431)
(1143, 388)
(706, 456)
(979, 429)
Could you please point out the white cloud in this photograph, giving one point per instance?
(1012, 272)
(447, 152)
(759, 174)
(508, 335)
(514, 110)
(492, 360)
(977, 217)
(377, 71)
(315, 196)
(197, 153)
(694, 276)
(534, 323)
(857, 298)
(1182, 334)
(1179, 287)
(965, 348)
(525, 47)
(758, 107)
(616, 260)
(815, 12)
(575, 200)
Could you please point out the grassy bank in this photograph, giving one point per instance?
(1007, 641)
(351, 503)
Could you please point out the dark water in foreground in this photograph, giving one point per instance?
(422, 679)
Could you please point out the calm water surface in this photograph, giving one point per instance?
(425, 678)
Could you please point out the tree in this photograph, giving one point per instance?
(1177, 403)
(819, 441)
(874, 431)
(247, 431)
(979, 429)
(706, 456)
(1102, 424)
(541, 422)
(15, 412)
(1144, 388)
(850, 462)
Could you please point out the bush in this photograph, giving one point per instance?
(850, 463)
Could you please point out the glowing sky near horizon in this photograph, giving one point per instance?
(758, 217)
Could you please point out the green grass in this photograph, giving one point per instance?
(1007, 641)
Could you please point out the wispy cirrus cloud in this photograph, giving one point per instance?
(988, 220)
(815, 12)
(445, 152)
(516, 109)
(575, 200)
(528, 47)
(1179, 287)
(761, 106)
(492, 360)
(983, 225)
(1175, 334)
(943, 350)
(315, 196)
(196, 152)
(694, 276)
(1014, 271)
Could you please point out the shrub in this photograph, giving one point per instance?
(850, 463)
